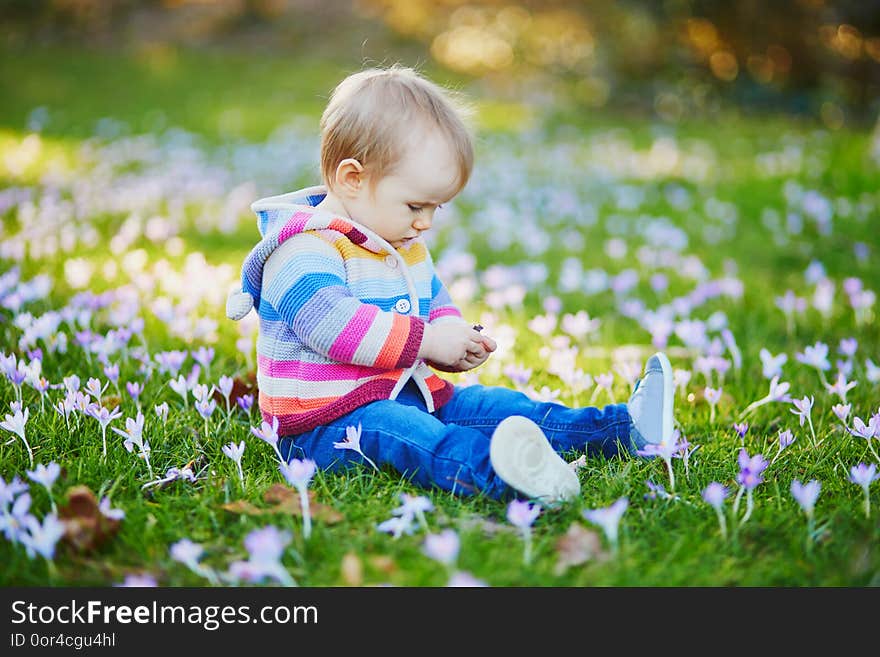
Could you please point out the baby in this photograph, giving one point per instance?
(355, 323)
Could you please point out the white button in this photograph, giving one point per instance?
(402, 306)
(391, 261)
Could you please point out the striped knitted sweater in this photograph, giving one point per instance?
(342, 313)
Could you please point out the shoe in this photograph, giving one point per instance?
(525, 460)
(650, 405)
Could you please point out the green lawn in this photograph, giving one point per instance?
(740, 177)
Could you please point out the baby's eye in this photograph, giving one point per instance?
(414, 208)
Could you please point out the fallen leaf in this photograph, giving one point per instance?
(284, 499)
(110, 402)
(577, 546)
(352, 570)
(383, 563)
(85, 527)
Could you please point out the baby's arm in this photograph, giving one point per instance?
(304, 281)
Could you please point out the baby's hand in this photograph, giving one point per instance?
(476, 358)
(449, 344)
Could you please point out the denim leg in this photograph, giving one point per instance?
(591, 429)
(410, 440)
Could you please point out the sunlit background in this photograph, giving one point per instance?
(673, 58)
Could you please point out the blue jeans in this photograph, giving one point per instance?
(450, 447)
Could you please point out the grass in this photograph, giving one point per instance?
(226, 98)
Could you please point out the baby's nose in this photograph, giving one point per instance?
(423, 222)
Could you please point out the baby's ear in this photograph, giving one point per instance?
(350, 176)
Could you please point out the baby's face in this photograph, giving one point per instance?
(402, 205)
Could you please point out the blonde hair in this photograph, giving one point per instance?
(372, 113)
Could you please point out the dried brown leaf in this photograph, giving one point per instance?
(577, 546)
(383, 563)
(352, 570)
(284, 499)
(85, 527)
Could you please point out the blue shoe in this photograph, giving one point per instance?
(524, 459)
(650, 405)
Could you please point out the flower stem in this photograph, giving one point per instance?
(527, 541)
(736, 500)
(671, 475)
(30, 453)
(722, 523)
(867, 504)
(749, 506)
(307, 519)
(873, 451)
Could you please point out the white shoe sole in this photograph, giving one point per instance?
(524, 459)
(668, 398)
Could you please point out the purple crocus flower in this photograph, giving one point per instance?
(741, 429)
(245, 402)
(16, 423)
(443, 547)
(863, 475)
(806, 495)
(135, 580)
(786, 438)
(460, 579)
(41, 538)
(841, 386)
(772, 365)
(162, 411)
(863, 430)
(655, 491)
(608, 518)
(45, 475)
(235, 452)
(353, 442)
(842, 412)
(206, 408)
(105, 508)
(815, 356)
(134, 389)
(750, 475)
(751, 469)
(803, 408)
(298, 473)
(112, 372)
(522, 514)
(269, 433)
(266, 547)
(714, 495)
(188, 553)
(712, 396)
(203, 356)
(848, 347)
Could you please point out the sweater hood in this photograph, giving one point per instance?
(278, 219)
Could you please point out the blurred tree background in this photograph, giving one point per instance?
(675, 59)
